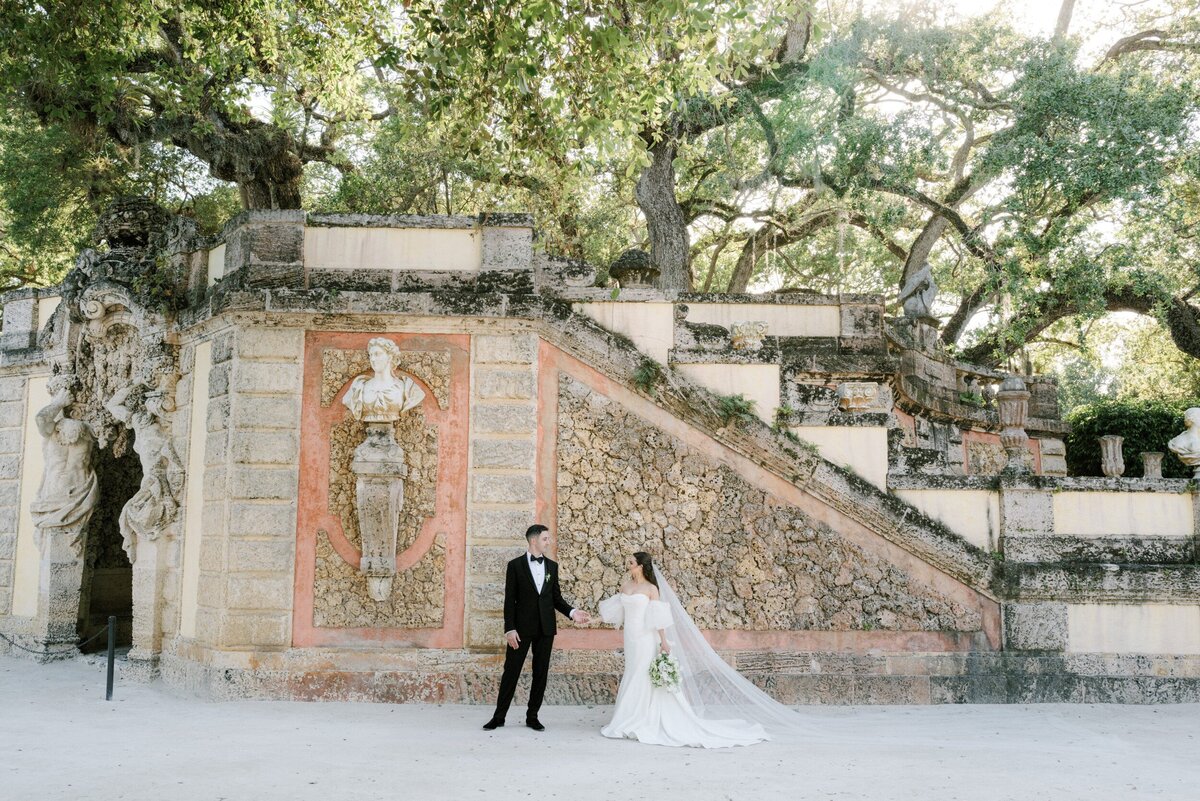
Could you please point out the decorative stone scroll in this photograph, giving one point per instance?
(379, 462)
(748, 335)
(857, 396)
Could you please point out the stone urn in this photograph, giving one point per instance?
(634, 269)
(1013, 400)
(1152, 464)
(1112, 464)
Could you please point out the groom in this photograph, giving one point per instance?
(531, 594)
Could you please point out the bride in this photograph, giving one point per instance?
(713, 707)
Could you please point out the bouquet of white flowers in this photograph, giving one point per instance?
(664, 672)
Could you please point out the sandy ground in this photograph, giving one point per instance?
(60, 740)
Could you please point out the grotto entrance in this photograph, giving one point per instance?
(107, 586)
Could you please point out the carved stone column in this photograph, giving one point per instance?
(1112, 463)
(148, 570)
(380, 467)
(1013, 402)
(59, 581)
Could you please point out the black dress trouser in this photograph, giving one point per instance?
(514, 661)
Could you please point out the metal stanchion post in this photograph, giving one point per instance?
(112, 646)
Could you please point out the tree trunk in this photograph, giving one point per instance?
(263, 160)
(665, 219)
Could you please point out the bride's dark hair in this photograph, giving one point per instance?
(647, 564)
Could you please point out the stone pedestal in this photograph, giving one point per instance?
(148, 570)
(1152, 464)
(1112, 463)
(61, 575)
(379, 465)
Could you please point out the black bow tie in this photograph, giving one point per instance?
(538, 559)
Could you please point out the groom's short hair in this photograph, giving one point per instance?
(534, 530)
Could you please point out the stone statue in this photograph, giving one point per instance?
(1187, 445)
(69, 489)
(384, 396)
(917, 296)
(154, 505)
(379, 463)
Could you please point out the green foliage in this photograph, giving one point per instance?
(736, 409)
(1146, 425)
(647, 375)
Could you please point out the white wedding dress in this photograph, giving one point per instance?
(651, 714)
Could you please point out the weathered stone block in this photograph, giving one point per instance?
(488, 597)
(12, 414)
(1025, 510)
(502, 453)
(210, 587)
(20, 324)
(507, 248)
(10, 466)
(263, 483)
(259, 592)
(218, 380)
(505, 348)
(8, 522)
(490, 561)
(10, 493)
(508, 524)
(274, 554)
(218, 414)
(1035, 627)
(271, 344)
(12, 388)
(222, 347)
(8, 543)
(265, 447)
(268, 630)
(504, 383)
(503, 419)
(6, 573)
(502, 489)
(262, 520)
(266, 411)
(252, 377)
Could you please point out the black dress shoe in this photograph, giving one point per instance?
(535, 724)
(493, 724)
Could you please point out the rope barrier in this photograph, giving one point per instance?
(102, 632)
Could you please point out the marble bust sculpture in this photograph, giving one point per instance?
(384, 396)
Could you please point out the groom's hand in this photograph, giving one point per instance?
(514, 641)
(581, 617)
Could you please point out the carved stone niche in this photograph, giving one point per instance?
(748, 335)
(857, 396)
(380, 462)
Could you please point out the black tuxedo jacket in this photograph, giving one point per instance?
(526, 610)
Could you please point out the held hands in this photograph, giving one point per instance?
(581, 617)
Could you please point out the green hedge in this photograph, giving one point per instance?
(1146, 425)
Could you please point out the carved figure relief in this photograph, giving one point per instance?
(154, 505)
(69, 489)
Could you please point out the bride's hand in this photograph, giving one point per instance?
(664, 648)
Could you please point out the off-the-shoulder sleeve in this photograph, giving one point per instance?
(658, 615)
(611, 611)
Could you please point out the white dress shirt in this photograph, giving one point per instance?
(538, 569)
